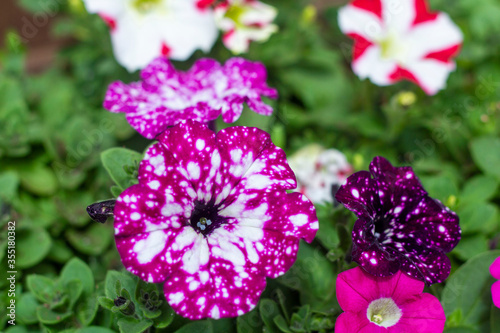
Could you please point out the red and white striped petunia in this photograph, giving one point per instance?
(142, 30)
(401, 40)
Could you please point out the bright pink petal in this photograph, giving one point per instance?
(495, 293)
(197, 157)
(423, 313)
(351, 322)
(495, 268)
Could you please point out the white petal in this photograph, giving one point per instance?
(361, 22)
(431, 74)
(434, 36)
(108, 7)
(371, 65)
(398, 15)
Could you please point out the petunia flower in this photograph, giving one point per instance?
(386, 304)
(495, 288)
(401, 40)
(319, 172)
(166, 96)
(211, 217)
(244, 21)
(399, 226)
(142, 30)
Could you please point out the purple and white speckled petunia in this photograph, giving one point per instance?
(166, 96)
(211, 217)
(399, 226)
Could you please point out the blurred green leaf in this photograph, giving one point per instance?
(485, 152)
(479, 188)
(92, 241)
(36, 244)
(132, 325)
(115, 159)
(467, 290)
(77, 269)
(26, 309)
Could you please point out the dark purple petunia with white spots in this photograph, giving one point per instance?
(399, 226)
(211, 217)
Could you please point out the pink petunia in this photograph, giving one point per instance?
(211, 217)
(495, 288)
(386, 304)
(166, 96)
(401, 40)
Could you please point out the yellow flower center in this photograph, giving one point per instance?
(383, 312)
(145, 5)
(234, 13)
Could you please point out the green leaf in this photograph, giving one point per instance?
(202, 326)
(47, 316)
(106, 302)
(268, 310)
(166, 317)
(479, 188)
(485, 153)
(471, 246)
(440, 187)
(87, 310)
(77, 269)
(92, 241)
(41, 287)
(132, 325)
(461, 329)
(249, 323)
(478, 217)
(114, 161)
(26, 309)
(95, 329)
(313, 275)
(36, 244)
(73, 289)
(9, 182)
(60, 252)
(467, 291)
(126, 281)
(282, 324)
(495, 319)
(38, 179)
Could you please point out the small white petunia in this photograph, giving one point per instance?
(244, 21)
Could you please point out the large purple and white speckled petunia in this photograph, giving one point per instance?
(166, 96)
(399, 226)
(211, 217)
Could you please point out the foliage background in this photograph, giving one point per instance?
(53, 130)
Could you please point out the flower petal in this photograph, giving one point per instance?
(495, 293)
(225, 285)
(251, 162)
(359, 21)
(372, 65)
(108, 7)
(495, 268)
(423, 313)
(350, 322)
(433, 36)
(197, 156)
(359, 194)
(431, 74)
(155, 256)
(291, 214)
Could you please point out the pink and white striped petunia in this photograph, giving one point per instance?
(244, 21)
(142, 30)
(396, 40)
(211, 217)
(166, 96)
